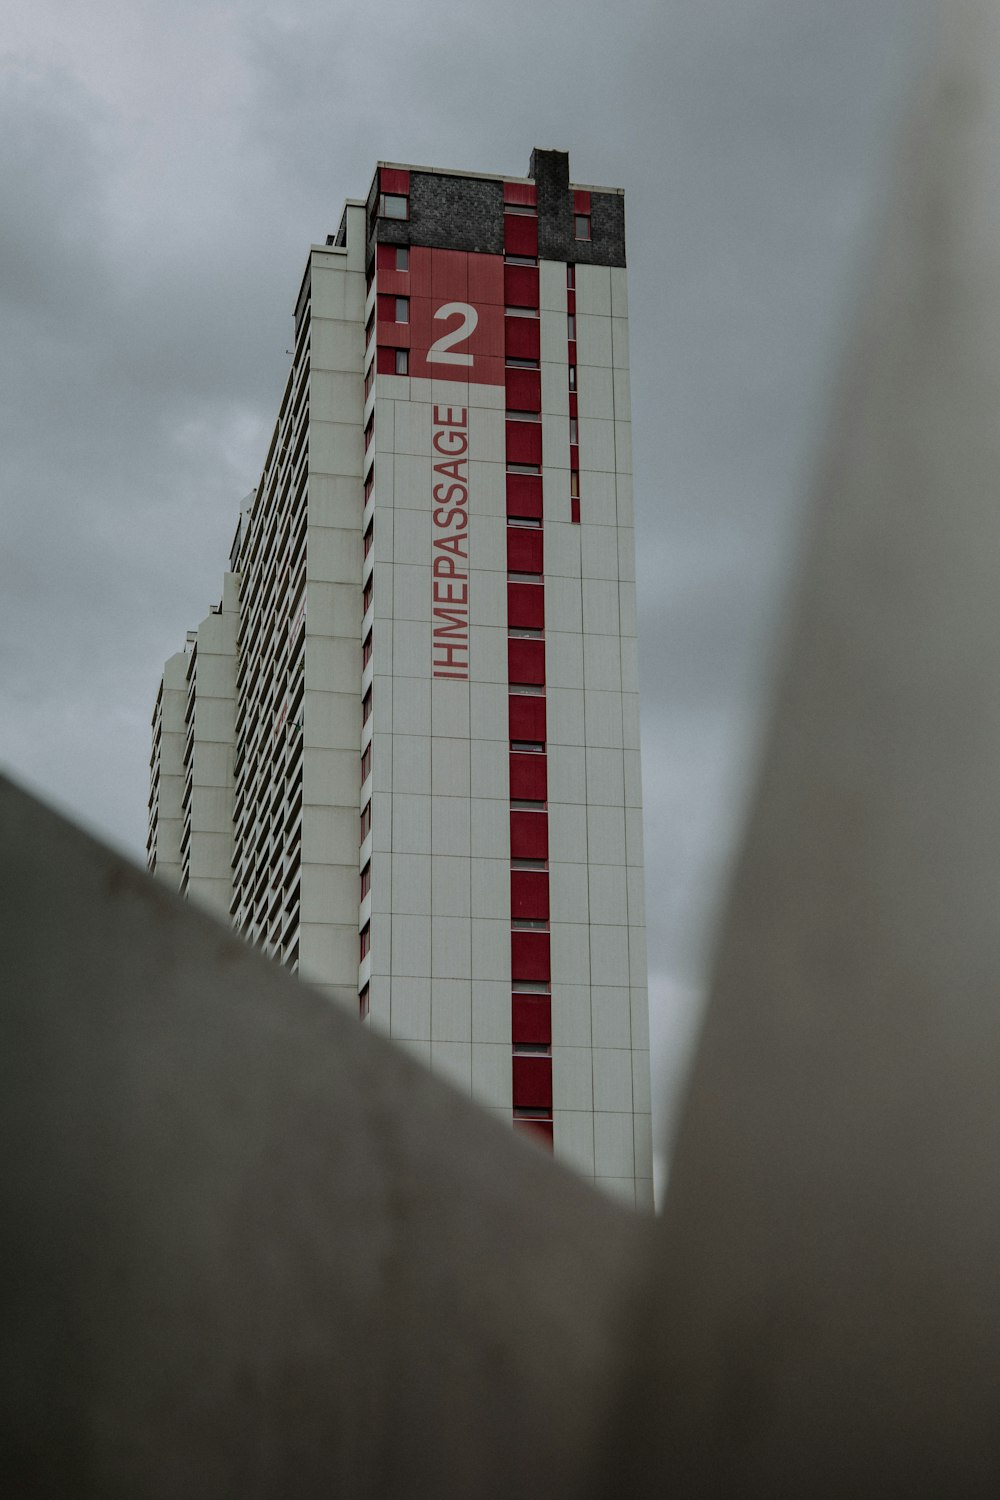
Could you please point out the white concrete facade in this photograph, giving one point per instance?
(436, 571)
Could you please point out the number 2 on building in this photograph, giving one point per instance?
(441, 351)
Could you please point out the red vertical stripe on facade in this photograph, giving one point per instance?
(524, 549)
(531, 1019)
(532, 1082)
(520, 234)
(526, 662)
(522, 338)
(526, 603)
(529, 835)
(524, 390)
(524, 501)
(520, 286)
(529, 777)
(529, 895)
(527, 717)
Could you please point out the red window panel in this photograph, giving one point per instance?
(520, 234)
(524, 496)
(366, 885)
(524, 442)
(385, 360)
(571, 303)
(529, 956)
(527, 717)
(581, 201)
(524, 390)
(524, 549)
(520, 286)
(525, 661)
(532, 1082)
(385, 307)
(531, 1019)
(529, 835)
(393, 180)
(529, 780)
(574, 405)
(522, 338)
(529, 896)
(364, 1002)
(366, 939)
(523, 193)
(540, 1129)
(574, 509)
(574, 456)
(525, 605)
(368, 539)
(571, 357)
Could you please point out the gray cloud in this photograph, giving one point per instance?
(162, 173)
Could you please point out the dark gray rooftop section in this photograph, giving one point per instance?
(452, 212)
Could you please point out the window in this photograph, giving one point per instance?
(402, 361)
(402, 258)
(571, 277)
(521, 312)
(574, 483)
(366, 821)
(370, 377)
(369, 537)
(369, 483)
(571, 326)
(581, 225)
(523, 416)
(366, 763)
(366, 939)
(402, 309)
(395, 206)
(366, 880)
(366, 650)
(370, 327)
(574, 430)
(521, 364)
(521, 260)
(364, 1003)
(572, 377)
(366, 707)
(369, 431)
(367, 597)
(521, 208)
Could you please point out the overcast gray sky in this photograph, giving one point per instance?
(163, 170)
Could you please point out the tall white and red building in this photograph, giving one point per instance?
(403, 752)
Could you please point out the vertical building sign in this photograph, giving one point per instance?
(456, 342)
